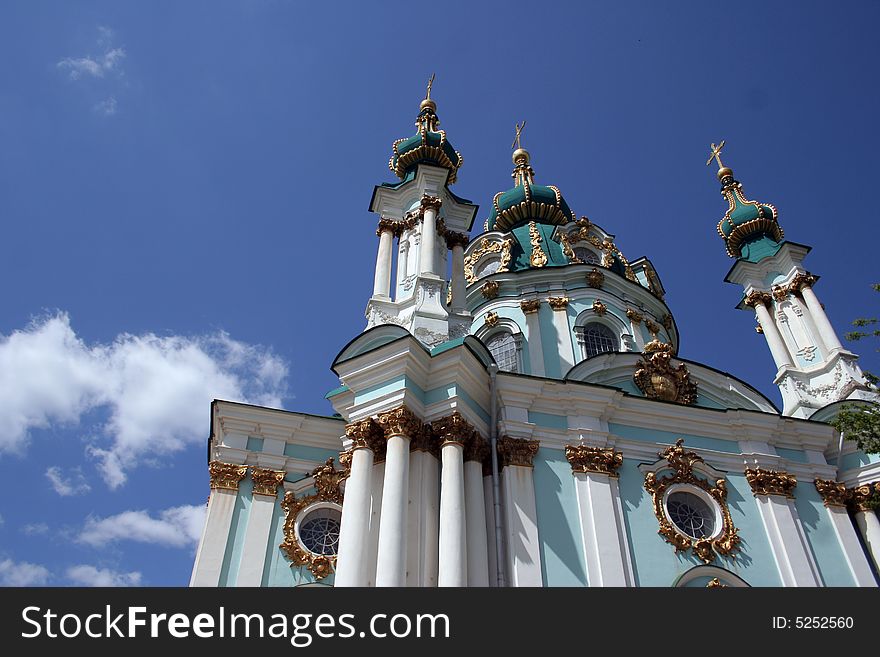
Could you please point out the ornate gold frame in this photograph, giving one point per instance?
(327, 481)
(682, 462)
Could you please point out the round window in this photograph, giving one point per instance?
(319, 531)
(691, 514)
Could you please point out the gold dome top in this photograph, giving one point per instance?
(426, 104)
(521, 156)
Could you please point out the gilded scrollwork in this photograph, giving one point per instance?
(489, 289)
(756, 298)
(530, 305)
(593, 459)
(491, 319)
(865, 497)
(681, 462)
(658, 379)
(771, 482)
(327, 480)
(634, 316)
(399, 422)
(558, 303)
(599, 308)
(833, 493)
(226, 476)
(484, 247)
(595, 278)
(567, 251)
(538, 257)
(452, 429)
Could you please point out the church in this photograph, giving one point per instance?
(515, 413)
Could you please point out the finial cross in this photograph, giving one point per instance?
(430, 84)
(716, 154)
(519, 129)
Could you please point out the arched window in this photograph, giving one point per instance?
(504, 350)
(598, 339)
(585, 255)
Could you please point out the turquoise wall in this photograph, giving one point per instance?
(562, 550)
(552, 368)
(821, 536)
(658, 436)
(277, 570)
(237, 529)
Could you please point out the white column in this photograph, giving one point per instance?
(489, 514)
(212, 547)
(869, 527)
(606, 546)
(391, 560)
(375, 519)
(402, 261)
(787, 541)
(771, 332)
(459, 288)
(820, 319)
(429, 239)
(523, 567)
(382, 280)
(453, 523)
(536, 350)
(475, 512)
(259, 524)
(351, 562)
(424, 516)
(849, 544)
(563, 336)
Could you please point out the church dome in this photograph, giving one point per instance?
(527, 201)
(428, 146)
(745, 221)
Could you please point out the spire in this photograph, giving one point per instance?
(429, 145)
(523, 174)
(750, 229)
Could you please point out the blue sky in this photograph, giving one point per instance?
(184, 191)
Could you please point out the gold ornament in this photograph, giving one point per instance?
(266, 482)
(634, 316)
(558, 303)
(658, 379)
(399, 422)
(599, 308)
(516, 451)
(771, 482)
(595, 278)
(490, 289)
(530, 305)
(226, 476)
(756, 298)
(452, 429)
(538, 257)
(593, 459)
(491, 319)
(833, 493)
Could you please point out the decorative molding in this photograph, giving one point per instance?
(593, 459)
(484, 247)
(452, 429)
(429, 202)
(491, 319)
(833, 493)
(490, 289)
(517, 451)
(801, 280)
(658, 379)
(682, 462)
(226, 476)
(756, 297)
(266, 482)
(599, 308)
(771, 482)
(530, 305)
(538, 257)
(399, 422)
(424, 441)
(779, 293)
(327, 480)
(476, 448)
(558, 303)
(865, 497)
(653, 328)
(595, 278)
(715, 583)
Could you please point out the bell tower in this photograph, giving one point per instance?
(813, 369)
(428, 222)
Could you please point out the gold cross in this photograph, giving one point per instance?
(716, 154)
(519, 129)
(430, 84)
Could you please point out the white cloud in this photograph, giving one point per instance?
(84, 575)
(22, 573)
(155, 390)
(107, 107)
(93, 66)
(179, 526)
(35, 528)
(75, 484)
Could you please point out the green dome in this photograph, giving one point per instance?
(428, 146)
(527, 201)
(745, 221)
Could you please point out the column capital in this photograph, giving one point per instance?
(800, 281)
(558, 303)
(425, 441)
(517, 451)
(226, 476)
(452, 429)
(757, 298)
(864, 497)
(771, 482)
(833, 493)
(593, 459)
(389, 225)
(429, 202)
(530, 305)
(399, 422)
(476, 448)
(454, 239)
(266, 481)
(366, 434)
